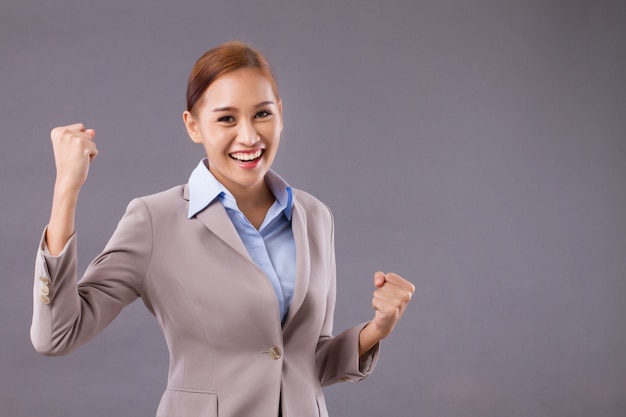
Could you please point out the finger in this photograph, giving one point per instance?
(395, 297)
(91, 133)
(380, 304)
(386, 308)
(90, 148)
(398, 281)
(92, 154)
(379, 279)
(73, 127)
(65, 132)
(382, 300)
(391, 292)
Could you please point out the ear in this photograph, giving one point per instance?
(192, 127)
(280, 113)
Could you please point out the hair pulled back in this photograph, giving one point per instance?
(220, 60)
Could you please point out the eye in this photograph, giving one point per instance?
(226, 119)
(262, 114)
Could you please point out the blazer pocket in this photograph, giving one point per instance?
(321, 404)
(177, 402)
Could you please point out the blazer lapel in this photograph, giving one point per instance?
(303, 259)
(215, 218)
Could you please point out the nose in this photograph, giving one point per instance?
(247, 134)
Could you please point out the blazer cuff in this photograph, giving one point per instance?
(43, 247)
(345, 361)
(368, 361)
(48, 269)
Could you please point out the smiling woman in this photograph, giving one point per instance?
(237, 267)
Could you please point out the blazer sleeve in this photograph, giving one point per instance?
(337, 357)
(67, 313)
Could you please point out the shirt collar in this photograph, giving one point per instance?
(204, 188)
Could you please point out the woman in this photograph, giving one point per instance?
(237, 267)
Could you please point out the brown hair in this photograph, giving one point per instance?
(220, 60)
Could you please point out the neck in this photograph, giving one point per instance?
(254, 204)
(259, 196)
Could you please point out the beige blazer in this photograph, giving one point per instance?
(229, 354)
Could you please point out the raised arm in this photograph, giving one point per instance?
(67, 312)
(74, 149)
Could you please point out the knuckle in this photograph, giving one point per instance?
(58, 132)
(64, 132)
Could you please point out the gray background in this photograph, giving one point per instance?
(475, 147)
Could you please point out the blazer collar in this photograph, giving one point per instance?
(215, 218)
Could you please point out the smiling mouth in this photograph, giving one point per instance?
(246, 156)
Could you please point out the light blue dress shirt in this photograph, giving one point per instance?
(271, 247)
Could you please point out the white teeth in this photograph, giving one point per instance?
(246, 156)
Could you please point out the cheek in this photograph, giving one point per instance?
(272, 131)
(215, 137)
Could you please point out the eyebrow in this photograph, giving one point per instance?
(228, 108)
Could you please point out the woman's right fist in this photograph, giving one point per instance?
(74, 148)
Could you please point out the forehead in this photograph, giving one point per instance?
(239, 88)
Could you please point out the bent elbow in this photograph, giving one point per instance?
(45, 345)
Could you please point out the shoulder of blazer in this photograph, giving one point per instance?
(311, 204)
(167, 199)
(312, 210)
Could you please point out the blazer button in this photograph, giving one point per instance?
(44, 280)
(274, 353)
(45, 299)
(45, 290)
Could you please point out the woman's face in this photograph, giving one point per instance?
(238, 120)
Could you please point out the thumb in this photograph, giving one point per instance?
(379, 279)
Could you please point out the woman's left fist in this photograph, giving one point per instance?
(391, 298)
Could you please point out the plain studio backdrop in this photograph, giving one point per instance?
(476, 147)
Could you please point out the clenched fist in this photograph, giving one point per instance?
(74, 149)
(391, 298)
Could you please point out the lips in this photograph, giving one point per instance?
(246, 156)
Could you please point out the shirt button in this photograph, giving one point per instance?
(274, 353)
